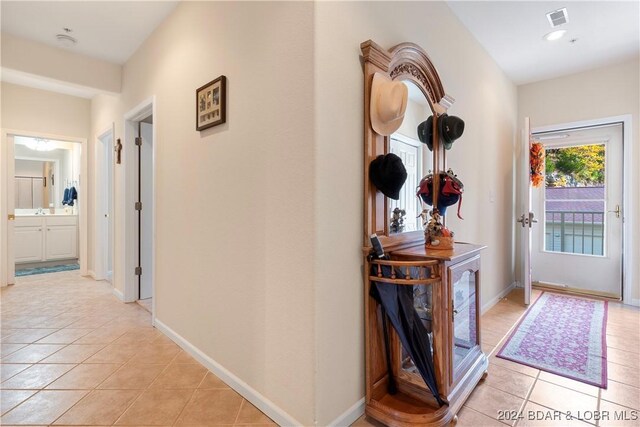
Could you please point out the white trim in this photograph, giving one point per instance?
(129, 230)
(83, 210)
(635, 302)
(349, 416)
(630, 218)
(118, 294)
(493, 301)
(274, 412)
(92, 274)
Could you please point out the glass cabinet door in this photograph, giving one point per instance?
(464, 289)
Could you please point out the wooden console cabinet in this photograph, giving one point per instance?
(445, 283)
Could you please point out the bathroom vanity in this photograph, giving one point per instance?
(45, 237)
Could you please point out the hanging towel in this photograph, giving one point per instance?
(73, 195)
(65, 198)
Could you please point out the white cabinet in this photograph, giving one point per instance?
(46, 238)
(29, 239)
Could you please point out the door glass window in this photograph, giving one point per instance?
(575, 199)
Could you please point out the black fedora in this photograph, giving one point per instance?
(388, 174)
(450, 128)
(425, 132)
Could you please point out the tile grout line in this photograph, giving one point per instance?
(239, 410)
(526, 399)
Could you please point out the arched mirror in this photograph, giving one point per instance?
(417, 159)
(409, 64)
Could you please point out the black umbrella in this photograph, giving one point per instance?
(397, 303)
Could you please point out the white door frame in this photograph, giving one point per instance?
(630, 218)
(82, 200)
(103, 200)
(128, 188)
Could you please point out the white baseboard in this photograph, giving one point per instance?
(118, 294)
(349, 416)
(277, 414)
(636, 302)
(493, 301)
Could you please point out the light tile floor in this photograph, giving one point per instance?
(511, 386)
(72, 354)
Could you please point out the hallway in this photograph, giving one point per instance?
(72, 354)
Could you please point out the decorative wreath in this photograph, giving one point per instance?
(536, 159)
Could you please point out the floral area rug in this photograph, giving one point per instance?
(562, 335)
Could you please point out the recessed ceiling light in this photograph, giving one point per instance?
(65, 40)
(554, 35)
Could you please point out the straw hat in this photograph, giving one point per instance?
(388, 104)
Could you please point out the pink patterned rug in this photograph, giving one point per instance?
(562, 335)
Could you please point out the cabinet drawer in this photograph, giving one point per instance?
(28, 221)
(61, 220)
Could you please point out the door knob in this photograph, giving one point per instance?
(523, 220)
(11, 217)
(617, 211)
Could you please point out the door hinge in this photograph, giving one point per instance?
(138, 271)
(138, 206)
(138, 140)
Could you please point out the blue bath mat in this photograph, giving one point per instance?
(43, 270)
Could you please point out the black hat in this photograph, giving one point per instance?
(425, 132)
(388, 174)
(450, 128)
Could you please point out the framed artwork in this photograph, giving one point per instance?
(211, 104)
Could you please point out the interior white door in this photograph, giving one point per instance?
(146, 197)
(580, 245)
(11, 201)
(109, 165)
(526, 218)
(409, 151)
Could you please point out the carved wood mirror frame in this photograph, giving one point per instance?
(406, 61)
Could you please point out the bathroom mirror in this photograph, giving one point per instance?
(34, 181)
(44, 169)
(417, 160)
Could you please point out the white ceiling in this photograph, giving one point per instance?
(511, 31)
(108, 30)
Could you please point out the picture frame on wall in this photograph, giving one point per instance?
(211, 104)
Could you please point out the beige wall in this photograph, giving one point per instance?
(35, 110)
(483, 158)
(37, 59)
(604, 92)
(234, 236)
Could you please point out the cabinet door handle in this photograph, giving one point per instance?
(39, 229)
(48, 229)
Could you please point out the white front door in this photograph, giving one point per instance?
(579, 244)
(525, 219)
(409, 151)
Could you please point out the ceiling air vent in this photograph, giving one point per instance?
(558, 17)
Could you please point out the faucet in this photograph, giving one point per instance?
(40, 211)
